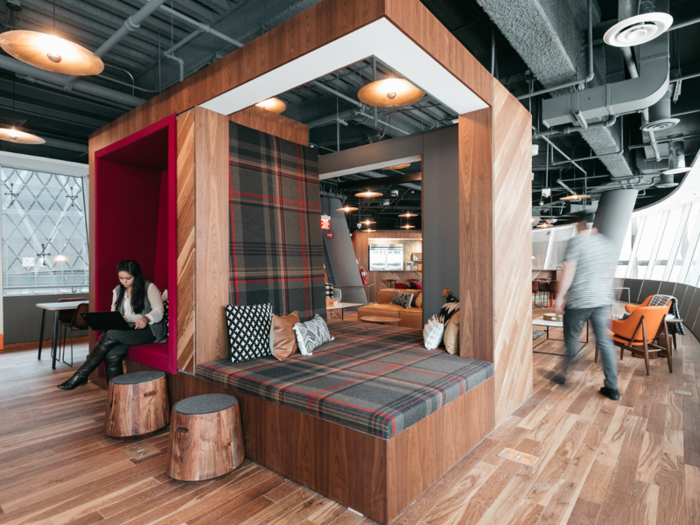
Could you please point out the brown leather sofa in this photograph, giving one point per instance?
(410, 317)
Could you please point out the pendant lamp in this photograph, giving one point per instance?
(367, 222)
(51, 53)
(408, 226)
(273, 105)
(574, 197)
(390, 93)
(347, 209)
(368, 194)
(19, 137)
(408, 215)
(397, 167)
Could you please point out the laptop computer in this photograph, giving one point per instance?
(101, 321)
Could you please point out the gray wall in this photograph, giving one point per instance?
(22, 319)
(440, 157)
(341, 263)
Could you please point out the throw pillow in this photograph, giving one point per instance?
(283, 341)
(248, 331)
(415, 285)
(329, 292)
(419, 301)
(452, 335)
(432, 333)
(400, 286)
(402, 299)
(447, 311)
(165, 313)
(312, 334)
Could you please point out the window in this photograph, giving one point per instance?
(44, 233)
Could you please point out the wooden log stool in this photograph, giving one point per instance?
(137, 404)
(206, 440)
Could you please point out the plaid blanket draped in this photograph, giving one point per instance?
(376, 379)
(276, 247)
(662, 300)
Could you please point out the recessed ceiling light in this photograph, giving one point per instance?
(51, 53)
(390, 93)
(273, 105)
(638, 30)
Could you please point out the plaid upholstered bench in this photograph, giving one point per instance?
(357, 420)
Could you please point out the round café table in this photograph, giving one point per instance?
(380, 320)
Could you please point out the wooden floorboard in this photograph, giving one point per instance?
(632, 461)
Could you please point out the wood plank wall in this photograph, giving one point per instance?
(512, 211)
(495, 245)
(272, 124)
(185, 241)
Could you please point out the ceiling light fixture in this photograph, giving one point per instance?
(575, 197)
(368, 194)
(408, 226)
(408, 215)
(638, 30)
(51, 53)
(390, 93)
(19, 137)
(273, 105)
(347, 209)
(543, 225)
(397, 167)
(367, 222)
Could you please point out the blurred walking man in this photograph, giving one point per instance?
(589, 266)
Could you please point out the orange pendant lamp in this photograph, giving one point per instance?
(19, 137)
(574, 197)
(390, 93)
(347, 209)
(408, 215)
(273, 105)
(51, 53)
(368, 194)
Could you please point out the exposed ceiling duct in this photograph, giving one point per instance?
(549, 35)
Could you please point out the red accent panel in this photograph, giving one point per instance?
(135, 218)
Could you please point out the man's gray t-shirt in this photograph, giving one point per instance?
(595, 259)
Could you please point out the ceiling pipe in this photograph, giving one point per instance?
(684, 24)
(58, 80)
(578, 83)
(204, 28)
(572, 129)
(130, 24)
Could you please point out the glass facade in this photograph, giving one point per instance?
(44, 233)
(549, 247)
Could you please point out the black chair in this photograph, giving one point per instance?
(76, 323)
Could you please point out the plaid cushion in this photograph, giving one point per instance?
(276, 246)
(373, 378)
(329, 291)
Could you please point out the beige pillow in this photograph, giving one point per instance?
(283, 340)
(418, 302)
(452, 335)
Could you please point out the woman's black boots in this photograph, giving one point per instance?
(98, 354)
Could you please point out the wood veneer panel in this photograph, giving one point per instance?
(272, 124)
(211, 152)
(512, 248)
(476, 209)
(414, 19)
(185, 242)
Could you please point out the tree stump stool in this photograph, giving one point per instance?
(206, 440)
(137, 404)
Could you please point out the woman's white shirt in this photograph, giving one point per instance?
(154, 316)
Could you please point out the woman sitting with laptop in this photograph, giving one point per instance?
(140, 304)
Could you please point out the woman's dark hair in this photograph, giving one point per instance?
(138, 293)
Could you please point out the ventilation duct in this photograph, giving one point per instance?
(619, 98)
(660, 114)
(676, 159)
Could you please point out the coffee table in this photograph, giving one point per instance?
(380, 320)
(341, 307)
(555, 324)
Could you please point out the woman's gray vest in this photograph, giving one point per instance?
(160, 330)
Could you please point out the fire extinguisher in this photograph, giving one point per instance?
(363, 275)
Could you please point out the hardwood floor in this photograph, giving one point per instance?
(632, 461)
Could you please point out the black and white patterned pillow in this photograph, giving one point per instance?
(248, 331)
(329, 291)
(402, 299)
(312, 334)
(447, 311)
(165, 313)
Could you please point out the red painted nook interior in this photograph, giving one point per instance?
(135, 218)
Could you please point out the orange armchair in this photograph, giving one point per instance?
(640, 330)
(629, 308)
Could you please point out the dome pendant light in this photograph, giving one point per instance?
(368, 194)
(16, 136)
(347, 209)
(390, 93)
(273, 105)
(50, 52)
